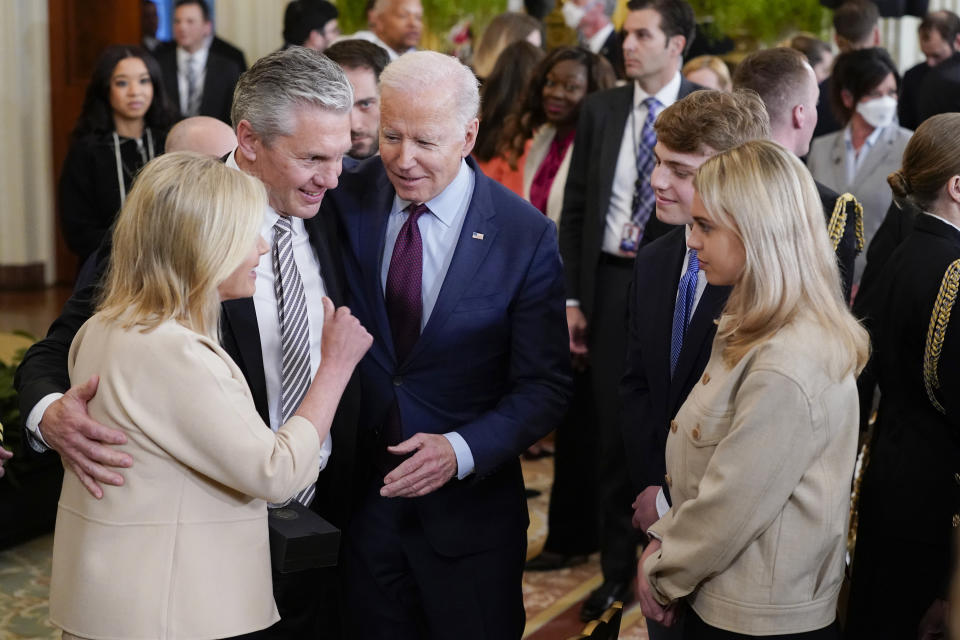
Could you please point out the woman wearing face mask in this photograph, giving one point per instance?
(858, 158)
(910, 493)
(760, 455)
(121, 127)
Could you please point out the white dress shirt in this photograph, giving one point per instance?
(596, 42)
(855, 158)
(620, 210)
(268, 314)
(439, 232)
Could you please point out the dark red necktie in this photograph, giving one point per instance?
(404, 284)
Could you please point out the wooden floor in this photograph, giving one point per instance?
(31, 311)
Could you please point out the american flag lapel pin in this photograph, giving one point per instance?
(477, 236)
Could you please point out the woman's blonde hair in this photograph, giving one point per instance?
(765, 195)
(187, 224)
(714, 64)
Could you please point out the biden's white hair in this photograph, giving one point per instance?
(419, 72)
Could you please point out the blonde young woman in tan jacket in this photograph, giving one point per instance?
(761, 454)
(181, 549)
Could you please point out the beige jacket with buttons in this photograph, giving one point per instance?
(760, 459)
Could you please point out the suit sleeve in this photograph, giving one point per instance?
(847, 251)
(44, 367)
(539, 380)
(635, 398)
(186, 401)
(748, 480)
(574, 202)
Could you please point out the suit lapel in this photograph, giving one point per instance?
(875, 156)
(700, 329)
(618, 110)
(371, 236)
(240, 316)
(319, 230)
(669, 279)
(467, 258)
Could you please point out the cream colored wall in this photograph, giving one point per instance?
(26, 176)
(255, 26)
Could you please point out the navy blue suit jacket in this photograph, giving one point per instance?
(492, 362)
(650, 397)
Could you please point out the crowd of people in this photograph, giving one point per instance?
(364, 278)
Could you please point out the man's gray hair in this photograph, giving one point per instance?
(418, 72)
(281, 81)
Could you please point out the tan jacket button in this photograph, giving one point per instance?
(673, 426)
(706, 378)
(696, 433)
(956, 518)
(667, 478)
(956, 477)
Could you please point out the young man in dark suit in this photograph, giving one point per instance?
(671, 307)
(293, 103)
(608, 215)
(199, 69)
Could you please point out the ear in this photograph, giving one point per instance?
(470, 138)
(798, 116)
(248, 142)
(676, 44)
(953, 189)
(847, 98)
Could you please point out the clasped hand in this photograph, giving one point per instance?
(429, 468)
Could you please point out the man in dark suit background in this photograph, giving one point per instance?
(607, 215)
(460, 283)
(591, 19)
(199, 69)
(671, 307)
(787, 84)
(294, 103)
(939, 34)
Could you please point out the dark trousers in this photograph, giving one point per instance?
(696, 629)
(399, 588)
(572, 528)
(608, 344)
(309, 605)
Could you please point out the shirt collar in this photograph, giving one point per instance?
(943, 220)
(666, 96)
(447, 203)
(868, 143)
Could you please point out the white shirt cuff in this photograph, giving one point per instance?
(465, 462)
(326, 448)
(33, 421)
(662, 505)
(573, 302)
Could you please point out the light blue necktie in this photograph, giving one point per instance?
(683, 311)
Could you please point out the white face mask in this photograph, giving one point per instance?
(878, 112)
(572, 14)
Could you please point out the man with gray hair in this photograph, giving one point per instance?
(291, 114)
(460, 283)
(591, 19)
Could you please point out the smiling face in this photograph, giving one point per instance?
(422, 142)
(672, 182)
(720, 250)
(297, 169)
(242, 283)
(563, 91)
(131, 90)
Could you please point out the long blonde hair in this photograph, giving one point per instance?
(187, 224)
(765, 195)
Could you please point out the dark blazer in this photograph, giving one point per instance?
(586, 198)
(612, 50)
(44, 367)
(911, 87)
(491, 364)
(222, 72)
(940, 89)
(650, 397)
(826, 119)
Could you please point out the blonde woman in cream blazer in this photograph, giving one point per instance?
(181, 549)
(760, 456)
(539, 147)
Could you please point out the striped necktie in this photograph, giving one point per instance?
(643, 197)
(294, 330)
(194, 92)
